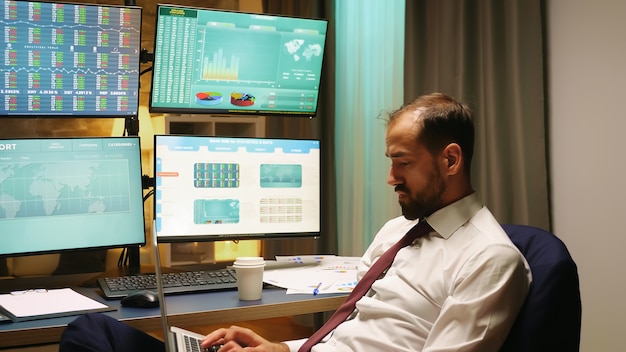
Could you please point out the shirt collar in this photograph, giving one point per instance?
(449, 218)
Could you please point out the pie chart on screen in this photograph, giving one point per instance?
(242, 99)
(209, 98)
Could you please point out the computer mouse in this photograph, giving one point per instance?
(141, 299)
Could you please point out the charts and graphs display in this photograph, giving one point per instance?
(218, 188)
(70, 193)
(212, 61)
(62, 59)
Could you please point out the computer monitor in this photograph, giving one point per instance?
(224, 188)
(62, 194)
(209, 61)
(69, 60)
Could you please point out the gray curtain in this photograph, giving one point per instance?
(490, 54)
(321, 127)
(486, 53)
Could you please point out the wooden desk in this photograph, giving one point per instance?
(183, 310)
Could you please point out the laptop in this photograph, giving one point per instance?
(175, 338)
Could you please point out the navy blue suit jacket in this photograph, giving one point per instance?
(550, 319)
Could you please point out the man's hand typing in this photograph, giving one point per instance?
(237, 338)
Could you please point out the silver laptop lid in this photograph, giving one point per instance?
(167, 337)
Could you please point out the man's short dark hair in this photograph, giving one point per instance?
(443, 121)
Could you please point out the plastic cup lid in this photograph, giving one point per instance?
(249, 261)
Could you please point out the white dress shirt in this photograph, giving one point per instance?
(458, 289)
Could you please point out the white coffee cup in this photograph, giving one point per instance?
(249, 277)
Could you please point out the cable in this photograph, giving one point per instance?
(120, 260)
(147, 195)
(146, 70)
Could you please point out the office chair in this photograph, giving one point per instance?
(550, 318)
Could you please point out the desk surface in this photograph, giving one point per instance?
(183, 310)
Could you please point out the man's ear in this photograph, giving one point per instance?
(454, 157)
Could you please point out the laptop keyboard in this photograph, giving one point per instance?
(173, 283)
(192, 344)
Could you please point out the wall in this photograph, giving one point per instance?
(587, 71)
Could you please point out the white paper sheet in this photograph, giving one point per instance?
(332, 274)
(46, 302)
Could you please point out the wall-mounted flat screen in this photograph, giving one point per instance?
(221, 62)
(69, 60)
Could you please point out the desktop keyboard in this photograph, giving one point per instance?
(173, 283)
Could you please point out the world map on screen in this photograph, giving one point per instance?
(35, 189)
(298, 48)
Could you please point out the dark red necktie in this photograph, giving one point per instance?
(375, 271)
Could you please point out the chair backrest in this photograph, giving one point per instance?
(550, 319)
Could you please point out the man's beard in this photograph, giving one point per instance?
(424, 203)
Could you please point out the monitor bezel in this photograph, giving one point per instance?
(236, 112)
(114, 114)
(242, 236)
(142, 237)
